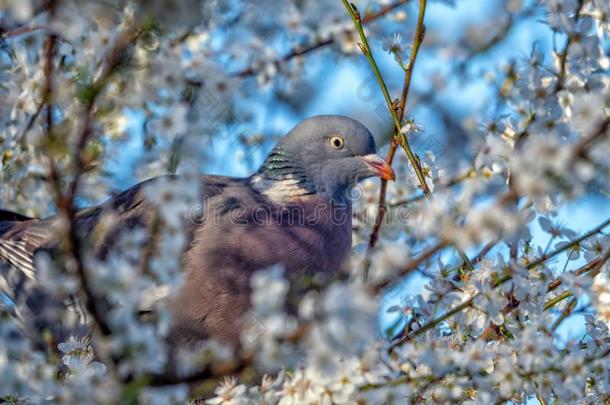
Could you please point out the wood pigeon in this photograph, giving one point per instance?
(295, 211)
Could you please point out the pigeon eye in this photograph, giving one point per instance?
(337, 142)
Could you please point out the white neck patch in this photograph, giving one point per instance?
(281, 190)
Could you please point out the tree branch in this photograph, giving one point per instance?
(563, 56)
(433, 323)
(409, 267)
(301, 51)
(397, 113)
(95, 305)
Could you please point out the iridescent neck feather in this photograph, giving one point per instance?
(281, 178)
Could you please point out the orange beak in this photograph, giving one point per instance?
(378, 166)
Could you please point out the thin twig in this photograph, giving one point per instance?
(71, 241)
(483, 252)
(594, 271)
(498, 37)
(580, 150)
(556, 300)
(567, 311)
(22, 139)
(470, 174)
(569, 245)
(420, 32)
(553, 285)
(432, 379)
(396, 113)
(490, 332)
(300, 51)
(367, 51)
(26, 28)
(409, 267)
(381, 210)
(563, 56)
(95, 305)
(112, 61)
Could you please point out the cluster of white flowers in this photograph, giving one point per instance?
(187, 72)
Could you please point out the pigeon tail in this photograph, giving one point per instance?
(16, 263)
(16, 255)
(15, 251)
(36, 308)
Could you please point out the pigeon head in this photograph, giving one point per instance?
(322, 155)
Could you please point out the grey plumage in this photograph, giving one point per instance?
(301, 192)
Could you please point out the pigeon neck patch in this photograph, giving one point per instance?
(281, 178)
(281, 190)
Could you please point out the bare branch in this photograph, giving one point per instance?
(301, 51)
